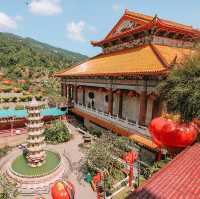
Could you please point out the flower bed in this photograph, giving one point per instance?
(21, 168)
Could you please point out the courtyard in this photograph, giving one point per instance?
(72, 156)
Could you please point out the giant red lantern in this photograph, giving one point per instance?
(171, 134)
(62, 190)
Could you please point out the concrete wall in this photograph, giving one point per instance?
(149, 111)
(130, 108)
(115, 104)
(80, 96)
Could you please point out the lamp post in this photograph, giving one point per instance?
(130, 158)
(97, 181)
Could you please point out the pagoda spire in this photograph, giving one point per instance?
(36, 145)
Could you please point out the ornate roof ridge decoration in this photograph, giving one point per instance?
(145, 22)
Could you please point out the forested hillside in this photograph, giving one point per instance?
(27, 58)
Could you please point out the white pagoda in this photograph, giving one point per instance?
(36, 145)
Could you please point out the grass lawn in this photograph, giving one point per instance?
(20, 165)
(123, 194)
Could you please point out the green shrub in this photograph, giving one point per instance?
(13, 99)
(19, 107)
(5, 107)
(25, 87)
(38, 97)
(7, 89)
(58, 133)
(6, 99)
(23, 99)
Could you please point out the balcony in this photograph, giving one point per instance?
(125, 124)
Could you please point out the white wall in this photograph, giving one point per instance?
(149, 111)
(130, 108)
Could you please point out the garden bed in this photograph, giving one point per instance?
(20, 166)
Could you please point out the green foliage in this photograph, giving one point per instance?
(5, 99)
(8, 190)
(13, 99)
(7, 89)
(25, 57)
(25, 87)
(101, 153)
(4, 151)
(19, 107)
(38, 97)
(181, 89)
(58, 133)
(5, 107)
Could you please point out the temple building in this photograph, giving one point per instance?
(117, 89)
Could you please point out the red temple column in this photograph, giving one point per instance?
(120, 103)
(143, 107)
(110, 102)
(156, 108)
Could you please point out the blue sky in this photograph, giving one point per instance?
(72, 24)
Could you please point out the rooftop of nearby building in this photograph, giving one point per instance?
(144, 22)
(143, 60)
(179, 179)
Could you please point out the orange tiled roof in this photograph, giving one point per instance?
(142, 60)
(170, 53)
(148, 18)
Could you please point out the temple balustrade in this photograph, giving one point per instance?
(123, 123)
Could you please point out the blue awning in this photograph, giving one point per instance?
(6, 113)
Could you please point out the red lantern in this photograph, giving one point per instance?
(62, 190)
(166, 132)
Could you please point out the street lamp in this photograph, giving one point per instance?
(130, 158)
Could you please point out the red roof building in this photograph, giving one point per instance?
(117, 89)
(178, 179)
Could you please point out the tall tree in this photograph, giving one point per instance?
(181, 89)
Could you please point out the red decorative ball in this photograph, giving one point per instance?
(62, 190)
(166, 132)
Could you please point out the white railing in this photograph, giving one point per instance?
(130, 126)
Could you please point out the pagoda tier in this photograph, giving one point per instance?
(36, 154)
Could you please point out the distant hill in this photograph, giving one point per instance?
(25, 57)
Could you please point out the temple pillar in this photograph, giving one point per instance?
(110, 102)
(83, 96)
(143, 105)
(62, 89)
(76, 94)
(120, 104)
(156, 108)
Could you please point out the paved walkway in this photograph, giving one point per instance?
(74, 154)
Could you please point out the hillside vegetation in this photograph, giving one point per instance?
(27, 58)
(28, 66)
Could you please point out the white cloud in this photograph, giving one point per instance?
(7, 22)
(45, 7)
(75, 30)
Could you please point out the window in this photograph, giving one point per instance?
(106, 98)
(91, 95)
